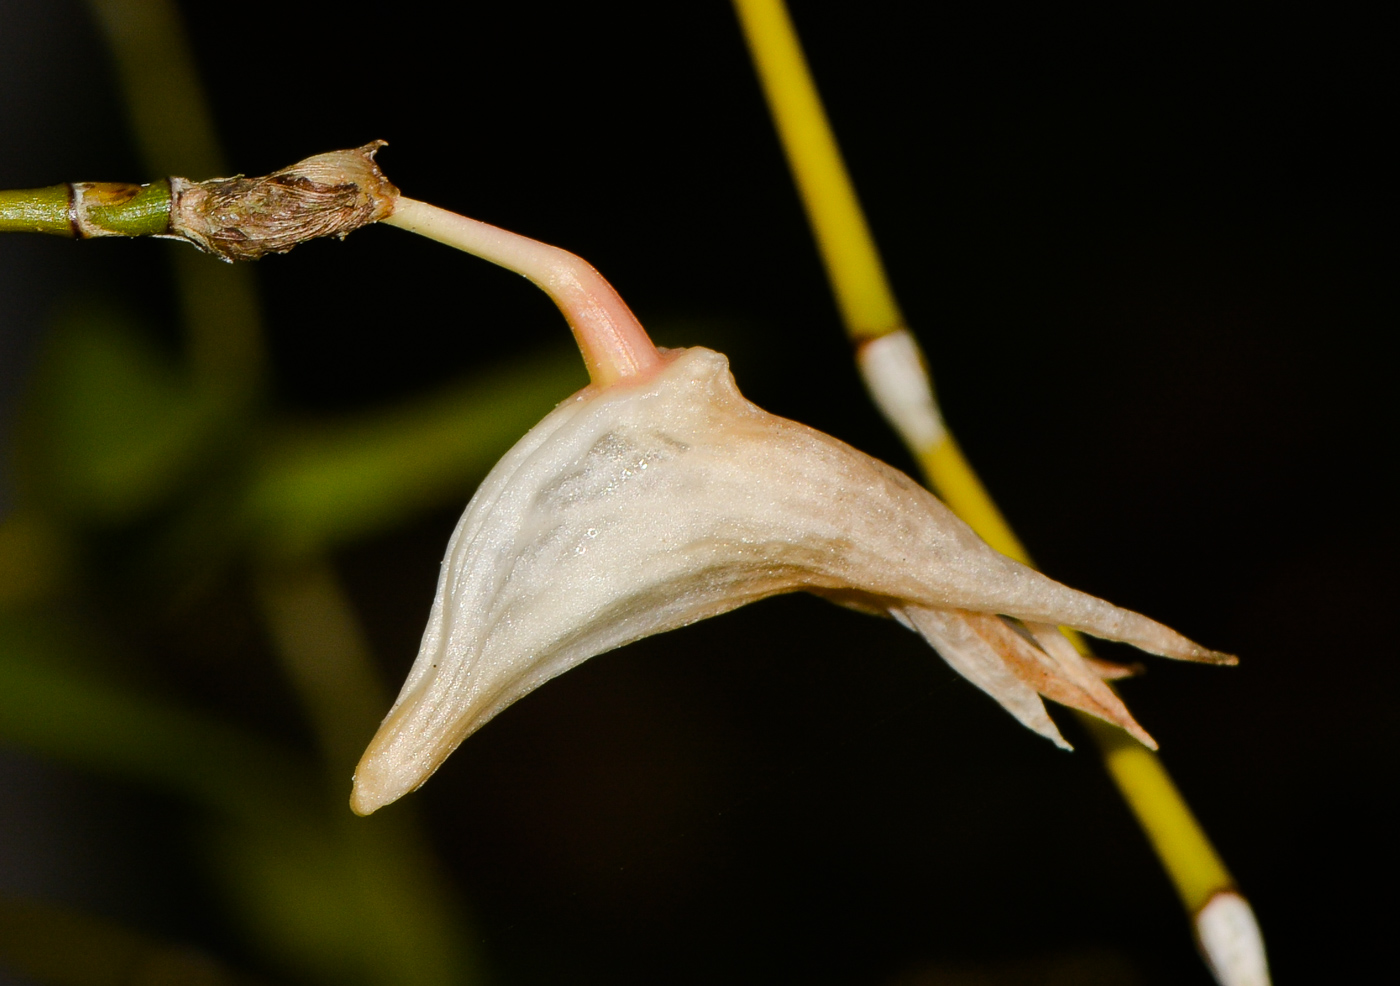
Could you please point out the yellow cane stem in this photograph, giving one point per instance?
(852, 262)
(945, 468)
(1195, 868)
(869, 310)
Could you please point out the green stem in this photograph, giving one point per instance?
(128, 210)
(88, 209)
(36, 210)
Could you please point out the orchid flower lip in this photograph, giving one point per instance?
(658, 496)
(664, 498)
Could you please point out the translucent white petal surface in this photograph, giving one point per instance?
(644, 506)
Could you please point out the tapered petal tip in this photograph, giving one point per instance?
(1111, 670)
(1143, 737)
(381, 780)
(1155, 638)
(1202, 655)
(361, 804)
(374, 786)
(398, 760)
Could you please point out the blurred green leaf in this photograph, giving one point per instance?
(112, 427)
(347, 905)
(319, 485)
(338, 899)
(52, 706)
(36, 557)
(295, 900)
(364, 904)
(58, 947)
(424, 939)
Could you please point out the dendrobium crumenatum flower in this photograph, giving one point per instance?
(658, 496)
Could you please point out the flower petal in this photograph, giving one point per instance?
(650, 504)
(961, 639)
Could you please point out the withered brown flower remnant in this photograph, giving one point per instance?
(662, 497)
(240, 218)
(237, 218)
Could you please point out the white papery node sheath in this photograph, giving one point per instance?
(1231, 941)
(898, 381)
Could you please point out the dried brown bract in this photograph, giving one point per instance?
(239, 218)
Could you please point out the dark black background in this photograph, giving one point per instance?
(1143, 249)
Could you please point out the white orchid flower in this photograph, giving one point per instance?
(659, 496)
